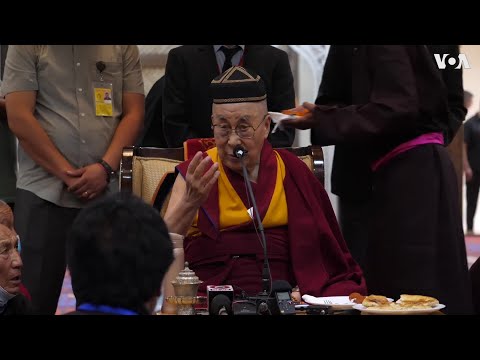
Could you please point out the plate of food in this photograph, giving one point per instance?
(397, 311)
(406, 305)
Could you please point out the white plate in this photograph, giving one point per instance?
(336, 302)
(277, 119)
(406, 311)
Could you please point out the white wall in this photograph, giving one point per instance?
(471, 82)
(471, 77)
(307, 91)
(153, 58)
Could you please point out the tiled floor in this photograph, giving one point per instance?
(66, 302)
(473, 248)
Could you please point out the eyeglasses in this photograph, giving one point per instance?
(243, 131)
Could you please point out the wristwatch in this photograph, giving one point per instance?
(108, 169)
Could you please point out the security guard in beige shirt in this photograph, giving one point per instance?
(70, 144)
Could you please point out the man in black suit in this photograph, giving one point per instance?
(153, 134)
(187, 103)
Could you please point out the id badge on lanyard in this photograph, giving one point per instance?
(103, 93)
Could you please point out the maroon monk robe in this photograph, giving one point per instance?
(310, 252)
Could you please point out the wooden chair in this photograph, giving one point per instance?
(143, 168)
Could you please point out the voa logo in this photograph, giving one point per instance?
(445, 59)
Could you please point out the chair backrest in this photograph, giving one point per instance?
(143, 168)
(192, 146)
(310, 155)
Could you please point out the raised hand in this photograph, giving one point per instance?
(202, 174)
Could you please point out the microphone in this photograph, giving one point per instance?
(283, 304)
(281, 286)
(215, 290)
(100, 66)
(244, 307)
(239, 151)
(221, 305)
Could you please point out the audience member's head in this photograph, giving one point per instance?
(10, 262)
(6, 215)
(467, 99)
(239, 102)
(118, 252)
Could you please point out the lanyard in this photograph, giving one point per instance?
(105, 309)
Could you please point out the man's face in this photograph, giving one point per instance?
(244, 117)
(10, 261)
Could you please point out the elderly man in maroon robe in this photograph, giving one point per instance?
(210, 207)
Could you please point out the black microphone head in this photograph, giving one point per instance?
(100, 66)
(220, 305)
(239, 151)
(281, 286)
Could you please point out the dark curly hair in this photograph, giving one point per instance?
(118, 252)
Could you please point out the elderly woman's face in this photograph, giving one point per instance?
(10, 261)
(252, 124)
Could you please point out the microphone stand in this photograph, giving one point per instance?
(266, 276)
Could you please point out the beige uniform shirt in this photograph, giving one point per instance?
(64, 76)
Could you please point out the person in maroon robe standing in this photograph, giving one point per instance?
(397, 117)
